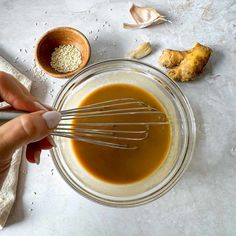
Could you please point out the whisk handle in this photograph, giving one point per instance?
(9, 115)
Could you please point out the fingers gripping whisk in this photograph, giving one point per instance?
(106, 124)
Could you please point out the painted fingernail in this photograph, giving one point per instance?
(52, 118)
(40, 106)
(51, 141)
(37, 157)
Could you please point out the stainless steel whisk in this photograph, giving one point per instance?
(108, 134)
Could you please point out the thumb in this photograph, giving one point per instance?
(26, 129)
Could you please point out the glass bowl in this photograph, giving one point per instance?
(183, 133)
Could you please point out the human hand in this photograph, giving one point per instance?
(31, 129)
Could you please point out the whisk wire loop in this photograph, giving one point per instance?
(121, 135)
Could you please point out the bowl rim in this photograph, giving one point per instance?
(70, 73)
(179, 172)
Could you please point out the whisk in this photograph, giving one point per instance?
(83, 123)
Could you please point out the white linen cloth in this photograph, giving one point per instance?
(8, 189)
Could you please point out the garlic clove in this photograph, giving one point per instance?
(143, 14)
(141, 51)
(144, 17)
(144, 25)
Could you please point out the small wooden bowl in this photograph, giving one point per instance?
(56, 37)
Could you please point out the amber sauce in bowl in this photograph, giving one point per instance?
(124, 166)
(125, 178)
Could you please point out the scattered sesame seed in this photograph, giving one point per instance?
(36, 23)
(98, 30)
(96, 20)
(25, 51)
(35, 193)
(111, 9)
(45, 12)
(20, 50)
(45, 23)
(103, 25)
(24, 171)
(32, 203)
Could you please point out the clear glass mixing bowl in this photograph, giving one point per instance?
(183, 131)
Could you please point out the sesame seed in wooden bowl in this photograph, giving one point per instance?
(62, 52)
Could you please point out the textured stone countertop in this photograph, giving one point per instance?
(204, 201)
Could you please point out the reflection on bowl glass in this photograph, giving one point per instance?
(182, 129)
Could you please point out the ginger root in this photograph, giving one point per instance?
(185, 65)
